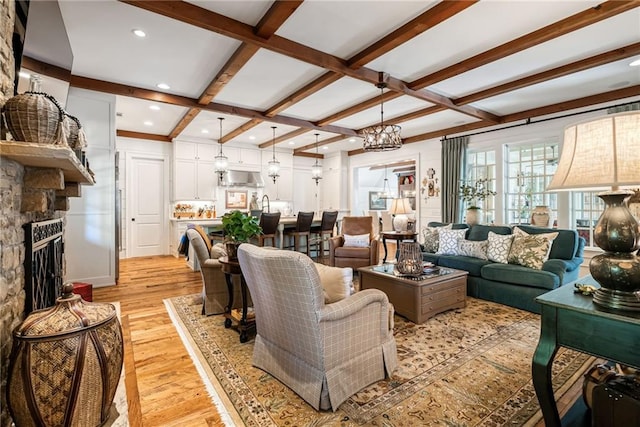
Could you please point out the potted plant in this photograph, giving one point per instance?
(238, 228)
(471, 194)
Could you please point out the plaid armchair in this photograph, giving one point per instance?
(323, 352)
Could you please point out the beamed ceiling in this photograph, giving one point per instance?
(312, 66)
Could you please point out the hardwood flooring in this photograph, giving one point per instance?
(163, 386)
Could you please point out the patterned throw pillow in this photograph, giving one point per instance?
(499, 247)
(473, 248)
(356, 241)
(449, 241)
(530, 250)
(431, 238)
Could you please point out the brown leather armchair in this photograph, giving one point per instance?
(354, 257)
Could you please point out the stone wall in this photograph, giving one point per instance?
(12, 249)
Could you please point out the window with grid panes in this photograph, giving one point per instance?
(529, 168)
(482, 165)
(586, 208)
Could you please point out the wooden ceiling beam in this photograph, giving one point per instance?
(417, 114)
(277, 14)
(47, 69)
(371, 102)
(184, 122)
(427, 20)
(572, 23)
(282, 138)
(183, 101)
(395, 164)
(238, 59)
(240, 130)
(320, 143)
(142, 135)
(321, 82)
(305, 154)
(215, 22)
(564, 70)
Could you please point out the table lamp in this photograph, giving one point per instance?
(604, 153)
(400, 207)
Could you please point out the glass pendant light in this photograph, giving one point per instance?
(274, 165)
(386, 191)
(221, 161)
(382, 137)
(316, 169)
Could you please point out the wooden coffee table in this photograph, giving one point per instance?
(418, 298)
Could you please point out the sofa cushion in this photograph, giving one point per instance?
(473, 249)
(481, 232)
(431, 239)
(217, 251)
(565, 246)
(519, 275)
(459, 262)
(350, 252)
(356, 241)
(336, 282)
(449, 241)
(499, 247)
(429, 257)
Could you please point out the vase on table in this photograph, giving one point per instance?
(473, 216)
(541, 216)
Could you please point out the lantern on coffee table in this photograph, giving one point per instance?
(65, 364)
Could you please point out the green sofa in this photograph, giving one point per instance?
(510, 284)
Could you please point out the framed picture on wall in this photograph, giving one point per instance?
(234, 199)
(375, 202)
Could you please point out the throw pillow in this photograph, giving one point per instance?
(431, 238)
(217, 251)
(449, 241)
(475, 249)
(530, 250)
(356, 241)
(498, 247)
(336, 282)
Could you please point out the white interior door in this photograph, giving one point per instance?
(147, 179)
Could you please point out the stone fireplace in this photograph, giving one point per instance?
(12, 220)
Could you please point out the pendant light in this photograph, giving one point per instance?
(316, 169)
(381, 137)
(274, 165)
(221, 161)
(386, 191)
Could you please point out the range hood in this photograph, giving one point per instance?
(235, 178)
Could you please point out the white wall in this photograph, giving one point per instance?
(90, 229)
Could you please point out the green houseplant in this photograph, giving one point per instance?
(471, 194)
(238, 228)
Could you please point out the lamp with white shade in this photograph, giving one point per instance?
(604, 153)
(400, 207)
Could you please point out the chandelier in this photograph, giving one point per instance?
(316, 169)
(221, 162)
(386, 191)
(274, 165)
(381, 137)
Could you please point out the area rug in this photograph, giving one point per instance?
(465, 367)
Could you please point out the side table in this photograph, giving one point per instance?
(231, 268)
(571, 320)
(398, 236)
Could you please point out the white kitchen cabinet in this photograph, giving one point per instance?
(242, 158)
(193, 172)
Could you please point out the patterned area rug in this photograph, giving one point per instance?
(466, 367)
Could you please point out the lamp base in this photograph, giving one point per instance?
(618, 300)
(400, 222)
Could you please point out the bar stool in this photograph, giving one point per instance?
(269, 224)
(324, 231)
(303, 228)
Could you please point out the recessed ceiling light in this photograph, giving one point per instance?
(352, 140)
(205, 130)
(252, 137)
(291, 142)
(154, 107)
(24, 74)
(325, 148)
(148, 123)
(139, 33)
(163, 86)
(635, 63)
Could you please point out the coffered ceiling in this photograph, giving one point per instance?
(312, 66)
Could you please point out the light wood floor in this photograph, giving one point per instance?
(163, 386)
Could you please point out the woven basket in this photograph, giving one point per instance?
(74, 133)
(35, 117)
(65, 364)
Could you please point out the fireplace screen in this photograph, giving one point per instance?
(43, 263)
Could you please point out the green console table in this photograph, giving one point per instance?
(571, 320)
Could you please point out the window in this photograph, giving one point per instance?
(482, 165)
(587, 208)
(530, 168)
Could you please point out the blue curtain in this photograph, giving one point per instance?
(453, 159)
